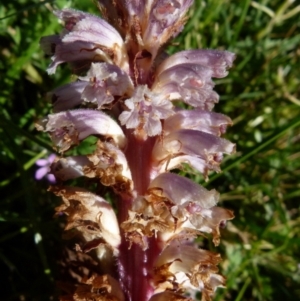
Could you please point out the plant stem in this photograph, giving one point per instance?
(135, 263)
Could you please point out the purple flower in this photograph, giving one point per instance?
(44, 169)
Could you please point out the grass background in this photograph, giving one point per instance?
(261, 246)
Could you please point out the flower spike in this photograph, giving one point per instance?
(135, 221)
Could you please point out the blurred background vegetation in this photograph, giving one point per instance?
(261, 246)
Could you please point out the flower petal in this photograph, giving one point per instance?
(217, 61)
(85, 38)
(78, 21)
(197, 163)
(209, 221)
(189, 267)
(93, 213)
(41, 162)
(41, 172)
(108, 163)
(200, 120)
(105, 82)
(146, 109)
(80, 52)
(70, 167)
(180, 191)
(194, 143)
(51, 178)
(68, 128)
(190, 82)
(166, 20)
(67, 96)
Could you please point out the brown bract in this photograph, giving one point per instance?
(182, 266)
(96, 288)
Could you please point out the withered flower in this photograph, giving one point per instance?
(141, 242)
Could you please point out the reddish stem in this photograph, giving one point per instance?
(135, 265)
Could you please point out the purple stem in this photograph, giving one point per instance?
(135, 264)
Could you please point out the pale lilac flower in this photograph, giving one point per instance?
(187, 76)
(165, 21)
(102, 83)
(86, 38)
(146, 110)
(105, 82)
(70, 127)
(44, 169)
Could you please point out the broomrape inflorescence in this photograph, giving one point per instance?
(124, 95)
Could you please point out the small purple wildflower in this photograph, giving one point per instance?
(44, 169)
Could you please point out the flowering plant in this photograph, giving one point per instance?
(125, 94)
(44, 168)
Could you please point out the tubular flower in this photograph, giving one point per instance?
(138, 246)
